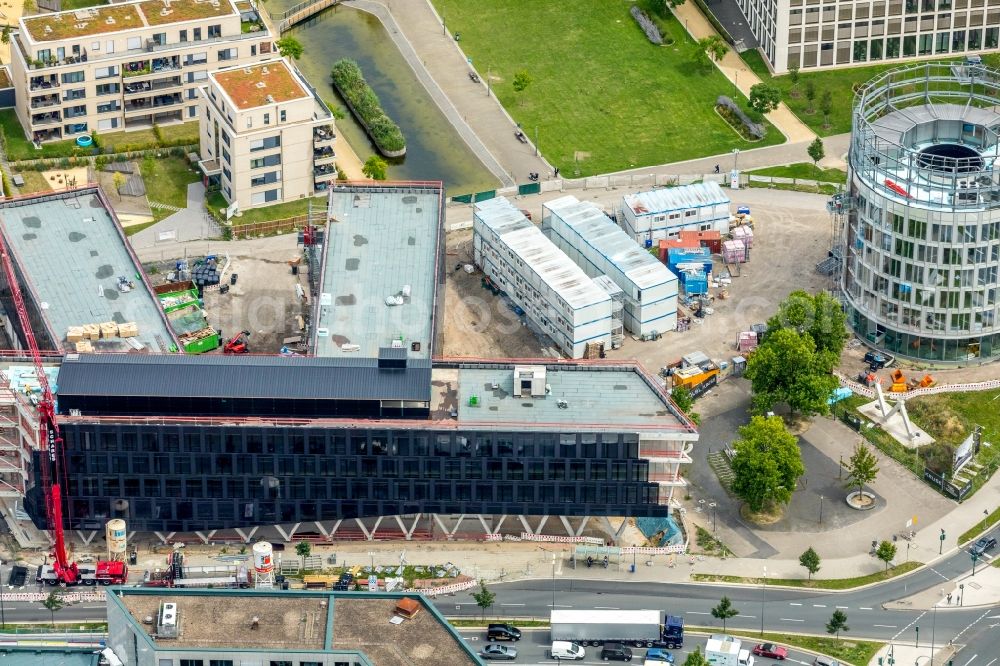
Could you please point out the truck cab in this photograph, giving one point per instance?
(673, 632)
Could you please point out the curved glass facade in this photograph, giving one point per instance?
(923, 232)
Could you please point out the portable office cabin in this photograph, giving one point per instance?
(555, 294)
(600, 247)
(650, 216)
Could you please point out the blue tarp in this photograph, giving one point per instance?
(839, 394)
(650, 527)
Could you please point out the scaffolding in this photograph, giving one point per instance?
(617, 309)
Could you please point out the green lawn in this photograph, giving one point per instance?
(840, 82)
(816, 583)
(600, 91)
(847, 650)
(216, 201)
(804, 170)
(980, 527)
(19, 148)
(34, 182)
(166, 180)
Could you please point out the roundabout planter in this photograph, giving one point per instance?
(862, 501)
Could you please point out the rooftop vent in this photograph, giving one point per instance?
(261, 85)
(529, 381)
(110, 20)
(264, 70)
(270, 99)
(255, 623)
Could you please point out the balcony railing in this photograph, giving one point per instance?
(46, 119)
(42, 102)
(44, 83)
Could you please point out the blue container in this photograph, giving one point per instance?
(84, 141)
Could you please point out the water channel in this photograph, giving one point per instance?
(434, 150)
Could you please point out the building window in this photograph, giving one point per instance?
(909, 46)
(108, 88)
(282, 115)
(160, 38)
(225, 156)
(225, 138)
(109, 107)
(892, 47)
(228, 174)
(184, 36)
(196, 58)
(134, 43)
(192, 662)
(72, 77)
(214, 31)
(267, 118)
(265, 197)
(267, 143)
(270, 160)
(860, 51)
(106, 72)
(197, 34)
(192, 111)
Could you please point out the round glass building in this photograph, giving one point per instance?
(923, 229)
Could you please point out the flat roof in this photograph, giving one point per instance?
(676, 198)
(11, 655)
(265, 83)
(71, 253)
(610, 394)
(539, 253)
(380, 242)
(122, 17)
(598, 231)
(297, 621)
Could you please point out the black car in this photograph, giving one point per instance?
(615, 652)
(344, 582)
(503, 632)
(875, 360)
(982, 545)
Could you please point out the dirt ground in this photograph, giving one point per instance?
(129, 206)
(792, 235)
(263, 300)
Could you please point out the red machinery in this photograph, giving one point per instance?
(62, 570)
(238, 344)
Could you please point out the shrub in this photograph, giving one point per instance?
(647, 25)
(730, 109)
(350, 82)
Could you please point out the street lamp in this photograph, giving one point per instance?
(736, 156)
(371, 554)
(975, 557)
(821, 510)
(934, 625)
(961, 594)
(763, 591)
(712, 505)
(986, 514)
(941, 539)
(553, 581)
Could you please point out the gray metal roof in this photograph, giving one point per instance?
(676, 198)
(380, 243)
(243, 376)
(71, 253)
(607, 239)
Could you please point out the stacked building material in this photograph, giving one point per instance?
(745, 234)
(734, 252)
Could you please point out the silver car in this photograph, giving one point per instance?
(498, 652)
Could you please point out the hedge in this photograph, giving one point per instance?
(351, 84)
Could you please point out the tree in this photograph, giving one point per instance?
(787, 368)
(810, 96)
(764, 98)
(681, 395)
(886, 552)
(696, 658)
(5, 35)
(816, 150)
(119, 181)
(793, 76)
(837, 623)
(862, 467)
(826, 106)
(522, 80)
(289, 47)
(30, 7)
(375, 168)
(303, 549)
(484, 598)
(818, 315)
(54, 602)
(714, 47)
(767, 463)
(724, 611)
(810, 560)
(672, 3)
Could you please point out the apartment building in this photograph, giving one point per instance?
(266, 137)
(827, 33)
(127, 66)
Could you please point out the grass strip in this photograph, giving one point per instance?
(815, 583)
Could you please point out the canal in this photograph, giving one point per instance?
(434, 150)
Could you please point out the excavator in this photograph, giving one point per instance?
(238, 344)
(62, 571)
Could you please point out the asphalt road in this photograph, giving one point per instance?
(531, 649)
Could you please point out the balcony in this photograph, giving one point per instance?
(152, 104)
(323, 135)
(667, 479)
(136, 68)
(324, 173)
(41, 119)
(152, 85)
(323, 155)
(42, 136)
(44, 101)
(44, 82)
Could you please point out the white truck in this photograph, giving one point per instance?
(639, 628)
(723, 650)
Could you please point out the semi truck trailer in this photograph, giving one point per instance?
(641, 628)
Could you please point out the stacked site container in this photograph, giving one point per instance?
(697, 255)
(600, 247)
(555, 294)
(650, 216)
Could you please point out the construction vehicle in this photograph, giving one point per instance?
(742, 218)
(926, 382)
(238, 344)
(899, 384)
(697, 374)
(61, 571)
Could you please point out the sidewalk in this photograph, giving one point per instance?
(733, 67)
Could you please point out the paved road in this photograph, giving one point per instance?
(532, 647)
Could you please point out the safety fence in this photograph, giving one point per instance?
(447, 589)
(930, 390)
(543, 538)
(68, 597)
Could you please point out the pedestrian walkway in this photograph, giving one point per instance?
(186, 224)
(737, 71)
(442, 68)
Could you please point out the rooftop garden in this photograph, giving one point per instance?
(158, 12)
(243, 85)
(66, 25)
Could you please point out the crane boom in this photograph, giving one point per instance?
(66, 571)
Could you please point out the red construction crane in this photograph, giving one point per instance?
(62, 570)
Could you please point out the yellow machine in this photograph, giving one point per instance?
(697, 373)
(741, 219)
(898, 382)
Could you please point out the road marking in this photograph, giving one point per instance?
(886, 626)
(865, 608)
(908, 626)
(971, 660)
(971, 624)
(991, 662)
(938, 573)
(792, 603)
(819, 605)
(698, 613)
(790, 619)
(558, 606)
(606, 608)
(511, 604)
(751, 617)
(842, 607)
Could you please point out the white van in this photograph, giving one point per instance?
(566, 650)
